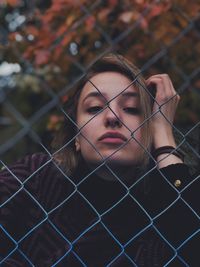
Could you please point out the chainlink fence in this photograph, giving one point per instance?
(44, 202)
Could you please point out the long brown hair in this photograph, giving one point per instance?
(63, 144)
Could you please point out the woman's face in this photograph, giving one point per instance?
(106, 116)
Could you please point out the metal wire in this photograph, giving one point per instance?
(154, 222)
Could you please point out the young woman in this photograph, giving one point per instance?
(106, 195)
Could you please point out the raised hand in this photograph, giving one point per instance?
(164, 109)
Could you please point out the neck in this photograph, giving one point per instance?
(112, 173)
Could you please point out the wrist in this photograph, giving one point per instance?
(168, 150)
(163, 138)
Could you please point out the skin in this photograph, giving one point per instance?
(162, 121)
(124, 116)
(124, 110)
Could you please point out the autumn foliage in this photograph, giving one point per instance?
(61, 38)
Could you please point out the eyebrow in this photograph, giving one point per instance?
(94, 94)
(130, 94)
(100, 95)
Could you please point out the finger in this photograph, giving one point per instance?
(161, 78)
(164, 86)
(160, 86)
(167, 83)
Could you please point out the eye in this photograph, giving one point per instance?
(132, 110)
(94, 109)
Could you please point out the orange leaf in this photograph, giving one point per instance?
(61, 30)
(57, 52)
(73, 3)
(158, 9)
(54, 122)
(66, 39)
(29, 52)
(56, 6)
(113, 3)
(47, 18)
(45, 38)
(144, 24)
(103, 13)
(32, 30)
(126, 16)
(69, 21)
(12, 35)
(42, 57)
(155, 11)
(90, 22)
(142, 20)
(12, 3)
(64, 98)
(140, 2)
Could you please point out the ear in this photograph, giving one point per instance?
(77, 144)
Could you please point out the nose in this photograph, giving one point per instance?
(112, 118)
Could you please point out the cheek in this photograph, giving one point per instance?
(137, 136)
(134, 125)
(89, 125)
(87, 146)
(87, 136)
(86, 139)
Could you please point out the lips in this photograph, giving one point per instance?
(112, 137)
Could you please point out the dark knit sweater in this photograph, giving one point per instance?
(50, 219)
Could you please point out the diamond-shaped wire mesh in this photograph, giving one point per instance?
(91, 215)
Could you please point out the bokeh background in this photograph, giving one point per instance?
(47, 46)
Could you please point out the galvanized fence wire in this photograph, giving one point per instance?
(180, 201)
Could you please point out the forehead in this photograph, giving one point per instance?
(109, 84)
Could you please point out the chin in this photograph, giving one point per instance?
(118, 160)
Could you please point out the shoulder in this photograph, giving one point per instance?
(38, 176)
(23, 167)
(14, 176)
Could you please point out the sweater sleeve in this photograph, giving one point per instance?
(15, 203)
(29, 190)
(12, 177)
(160, 187)
(178, 175)
(18, 210)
